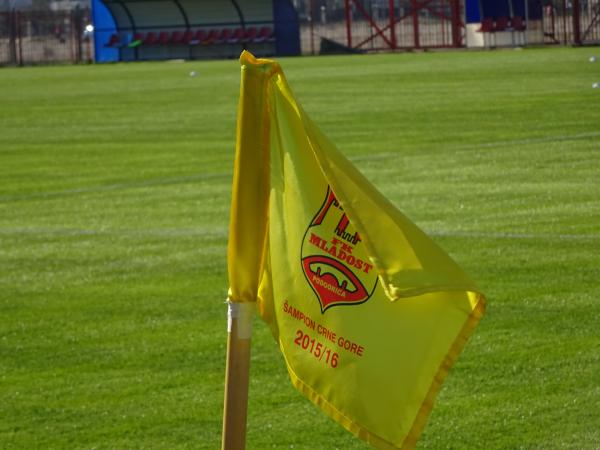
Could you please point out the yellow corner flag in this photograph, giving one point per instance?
(368, 312)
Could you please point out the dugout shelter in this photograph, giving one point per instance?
(132, 30)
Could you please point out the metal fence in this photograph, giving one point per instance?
(34, 37)
(572, 22)
(373, 25)
(42, 37)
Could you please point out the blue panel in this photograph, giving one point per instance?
(535, 9)
(472, 11)
(287, 29)
(518, 7)
(495, 8)
(104, 28)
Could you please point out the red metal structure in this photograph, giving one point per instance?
(367, 25)
(387, 25)
(408, 24)
(574, 22)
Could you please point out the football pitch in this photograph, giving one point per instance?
(114, 200)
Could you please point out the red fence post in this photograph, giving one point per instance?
(348, 23)
(414, 4)
(312, 27)
(19, 39)
(456, 23)
(564, 20)
(12, 35)
(576, 22)
(392, 15)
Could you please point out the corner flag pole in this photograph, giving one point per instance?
(237, 374)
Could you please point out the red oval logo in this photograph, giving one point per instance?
(334, 260)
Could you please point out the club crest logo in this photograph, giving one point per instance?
(334, 261)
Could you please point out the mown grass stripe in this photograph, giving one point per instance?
(115, 187)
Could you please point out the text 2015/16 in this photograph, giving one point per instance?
(317, 349)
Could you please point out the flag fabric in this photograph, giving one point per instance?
(369, 313)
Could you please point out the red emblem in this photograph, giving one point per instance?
(334, 260)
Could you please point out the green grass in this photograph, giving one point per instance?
(114, 199)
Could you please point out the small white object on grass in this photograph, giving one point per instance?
(596, 85)
(193, 73)
(592, 59)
